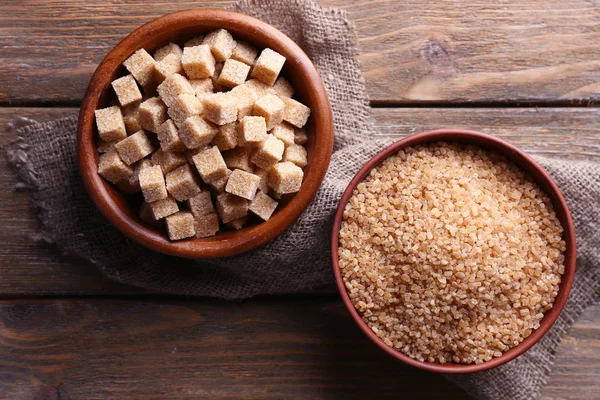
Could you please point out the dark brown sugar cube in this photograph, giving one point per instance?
(173, 86)
(242, 184)
(180, 225)
(234, 73)
(152, 183)
(231, 207)
(252, 131)
(267, 66)
(152, 114)
(134, 147)
(268, 153)
(263, 206)
(221, 44)
(126, 90)
(271, 108)
(220, 108)
(197, 132)
(110, 124)
(285, 177)
(210, 164)
(143, 67)
(164, 208)
(206, 225)
(112, 168)
(239, 158)
(244, 52)
(168, 135)
(295, 112)
(198, 62)
(168, 160)
(201, 204)
(182, 184)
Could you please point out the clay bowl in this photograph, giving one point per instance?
(540, 176)
(179, 27)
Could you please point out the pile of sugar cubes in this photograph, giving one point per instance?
(215, 136)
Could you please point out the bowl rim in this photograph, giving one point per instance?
(238, 241)
(556, 197)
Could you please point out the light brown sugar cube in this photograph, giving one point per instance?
(180, 225)
(300, 136)
(206, 225)
(173, 86)
(189, 154)
(152, 183)
(238, 224)
(198, 62)
(105, 147)
(227, 137)
(252, 131)
(131, 117)
(259, 88)
(221, 44)
(283, 88)
(244, 52)
(220, 108)
(152, 114)
(112, 168)
(284, 132)
(147, 216)
(164, 208)
(267, 66)
(182, 184)
(242, 184)
(202, 87)
(126, 90)
(197, 132)
(134, 179)
(168, 135)
(239, 158)
(295, 112)
(210, 164)
(185, 106)
(111, 126)
(218, 185)
(201, 204)
(134, 147)
(231, 207)
(168, 61)
(234, 73)
(285, 177)
(217, 87)
(271, 108)
(296, 154)
(142, 66)
(269, 152)
(245, 98)
(263, 174)
(168, 160)
(197, 41)
(263, 206)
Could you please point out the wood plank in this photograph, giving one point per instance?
(31, 267)
(289, 348)
(412, 51)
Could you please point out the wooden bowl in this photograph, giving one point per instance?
(538, 174)
(179, 27)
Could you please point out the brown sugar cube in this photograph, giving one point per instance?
(263, 206)
(239, 158)
(147, 216)
(296, 154)
(164, 208)
(268, 153)
(217, 87)
(152, 114)
(252, 131)
(283, 88)
(126, 90)
(173, 86)
(238, 224)
(197, 132)
(182, 184)
(198, 62)
(221, 44)
(127, 187)
(220, 108)
(143, 67)
(170, 49)
(105, 147)
(259, 88)
(197, 41)
(210, 164)
(300, 136)
(112, 168)
(271, 108)
(218, 185)
(134, 179)
(152, 183)
(284, 132)
(168, 61)
(285, 177)
(245, 98)
(168, 161)
(295, 112)
(231, 207)
(134, 147)
(263, 174)
(185, 106)
(267, 66)
(227, 137)
(168, 135)
(202, 87)
(111, 126)
(206, 225)
(234, 73)
(131, 117)
(244, 52)
(189, 154)
(243, 184)
(201, 204)
(180, 225)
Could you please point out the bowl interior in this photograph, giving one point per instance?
(540, 176)
(180, 27)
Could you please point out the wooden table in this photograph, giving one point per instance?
(526, 71)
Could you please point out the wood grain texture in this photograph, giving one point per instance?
(31, 267)
(411, 51)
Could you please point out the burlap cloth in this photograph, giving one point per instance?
(44, 158)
